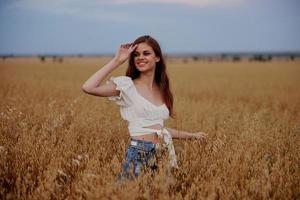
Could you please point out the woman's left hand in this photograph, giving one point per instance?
(200, 136)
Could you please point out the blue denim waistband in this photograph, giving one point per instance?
(146, 145)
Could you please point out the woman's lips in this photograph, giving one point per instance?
(141, 63)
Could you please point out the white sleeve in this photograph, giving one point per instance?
(125, 86)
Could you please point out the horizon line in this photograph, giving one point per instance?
(167, 54)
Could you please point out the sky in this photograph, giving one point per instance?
(180, 26)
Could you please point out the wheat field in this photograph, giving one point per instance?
(58, 143)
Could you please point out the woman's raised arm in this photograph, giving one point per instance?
(92, 85)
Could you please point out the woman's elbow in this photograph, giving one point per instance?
(86, 89)
(93, 91)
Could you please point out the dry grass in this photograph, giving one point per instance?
(56, 142)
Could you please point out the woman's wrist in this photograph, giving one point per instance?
(192, 135)
(186, 135)
(116, 61)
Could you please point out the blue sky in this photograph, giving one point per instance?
(181, 26)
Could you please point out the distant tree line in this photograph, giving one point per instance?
(261, 58)
(58, 59)
(239, 57)
(255, 57)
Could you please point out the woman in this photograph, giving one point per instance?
(145, 101)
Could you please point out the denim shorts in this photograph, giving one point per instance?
(139, 156)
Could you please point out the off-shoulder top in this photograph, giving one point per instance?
(138, 111)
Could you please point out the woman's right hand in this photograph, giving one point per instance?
(124, 52)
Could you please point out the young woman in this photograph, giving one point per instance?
(145, 101)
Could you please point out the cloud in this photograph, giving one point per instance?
(57, 5)
(83, 10)
(106, 10)
(201, 3)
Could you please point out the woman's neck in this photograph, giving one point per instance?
(147, 79)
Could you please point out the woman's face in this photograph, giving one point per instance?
(144, 57)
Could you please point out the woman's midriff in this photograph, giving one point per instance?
(147, 137)
(153, 137)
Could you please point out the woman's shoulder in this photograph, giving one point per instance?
(123, 79)
(123, 82)
(126, 87)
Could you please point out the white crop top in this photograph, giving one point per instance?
(138, 111)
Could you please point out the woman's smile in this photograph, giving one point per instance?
(141, 63)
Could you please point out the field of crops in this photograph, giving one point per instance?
(58, 143)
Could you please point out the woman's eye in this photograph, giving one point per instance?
(137, 54)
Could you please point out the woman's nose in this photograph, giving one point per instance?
(141, 56)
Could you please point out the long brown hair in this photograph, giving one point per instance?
(160, 76)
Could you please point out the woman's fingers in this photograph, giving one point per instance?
(132, 48)
(126, 45)
(202, 136)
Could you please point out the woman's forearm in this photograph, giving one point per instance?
(92, 85)
(177, 134)
(96, 79)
